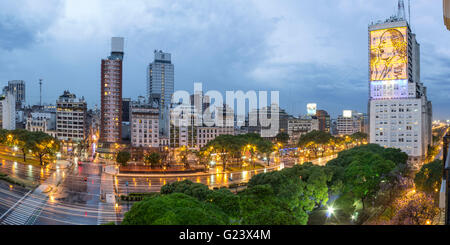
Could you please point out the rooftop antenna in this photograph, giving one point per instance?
(40, 92)
(409, 12)
(401, 10)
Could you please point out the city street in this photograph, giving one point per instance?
(76, 200)
(25, 171)
(9, 195)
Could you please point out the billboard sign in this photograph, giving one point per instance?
(394, 89)
(311, 109)
(389, 54)
(347, 113)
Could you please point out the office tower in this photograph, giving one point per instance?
(17, 87)
(160, 86)
(144, 124)
(8, 104)
(324, 120)
(399, 111)
(71, 118)
(111, 93)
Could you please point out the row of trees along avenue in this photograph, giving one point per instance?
(359, 181)
(38, 144)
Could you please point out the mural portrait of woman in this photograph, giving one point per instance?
(389, 54)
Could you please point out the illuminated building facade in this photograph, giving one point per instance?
(144, 124)
(349, 122)
(399, 111)
(324, 120)
(111, 94)
(71, 118)
(160, 87)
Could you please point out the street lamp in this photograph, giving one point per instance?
(330, 211)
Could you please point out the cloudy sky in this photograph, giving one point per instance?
(311, 51)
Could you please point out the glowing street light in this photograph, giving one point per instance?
(330, 211)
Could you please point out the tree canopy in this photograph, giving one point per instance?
(174, 209)
(429, 178)
(123, 157)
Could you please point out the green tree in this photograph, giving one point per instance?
(359, 137)
(429, 178)
(44, 145)
(25, 141)
(259, 205)
(315, 141)
(282, 137)
(123, 157)
(197, 190)
(154, 159)
(364, 174)
(227, 201)
(174, 209)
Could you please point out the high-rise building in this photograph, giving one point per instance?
(8, 109)
(111, 93)
(160, 86)
(71, 118)
(17, 87)
(324, 120)
(399, 111)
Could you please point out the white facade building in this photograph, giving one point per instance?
(207, 134)
(400, 114)
(8, 104)
(349, 123)
(144, 125)
(71, 118)
(42, 122)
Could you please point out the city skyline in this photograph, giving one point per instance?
(289, 55)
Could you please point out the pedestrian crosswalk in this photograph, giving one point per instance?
(26, 212)
(105, 213)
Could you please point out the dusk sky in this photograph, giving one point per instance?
(311, 51)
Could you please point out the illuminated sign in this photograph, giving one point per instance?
(389, 54)
(311, 109)
(347, 113)
(393, 89)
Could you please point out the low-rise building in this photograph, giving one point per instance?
(42, 122)
(207, 134)
(299, 126)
